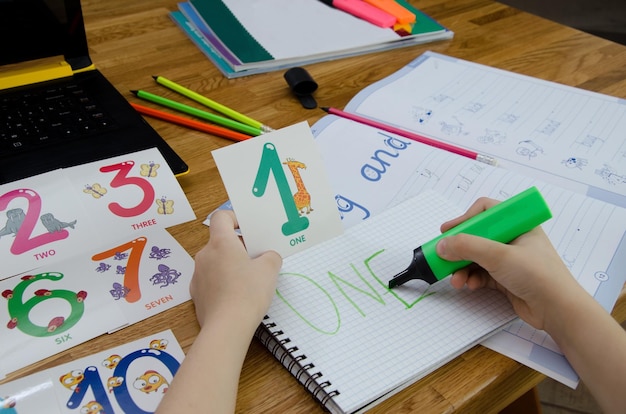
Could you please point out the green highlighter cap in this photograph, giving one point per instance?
(503, 223)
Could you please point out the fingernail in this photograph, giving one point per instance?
(440, 248)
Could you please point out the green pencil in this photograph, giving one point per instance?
(211, 103)
(228, 123)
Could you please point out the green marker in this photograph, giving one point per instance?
(503, 223)
(226, 122)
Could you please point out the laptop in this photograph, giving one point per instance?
(56, 109)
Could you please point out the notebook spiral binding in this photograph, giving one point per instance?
(296, 363)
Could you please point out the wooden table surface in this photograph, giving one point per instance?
(132, 40)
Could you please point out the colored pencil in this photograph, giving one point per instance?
(190, 123)
(190, 110)
(487, 159)
(216, 106)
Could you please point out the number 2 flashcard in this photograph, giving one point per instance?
(42, 222)
(131, 378)
(278, 188)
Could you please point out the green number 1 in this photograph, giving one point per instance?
(271, 162)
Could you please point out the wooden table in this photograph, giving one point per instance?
(131, 41)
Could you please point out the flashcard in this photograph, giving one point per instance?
(69, 302)
(43, 222)
(55, 215)
(279, 190)
(131, 192)
(131, 378)
(145, 274)
(50, 310)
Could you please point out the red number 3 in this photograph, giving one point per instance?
(121, 179)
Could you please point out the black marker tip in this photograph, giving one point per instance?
(324, 108)
(134, 92)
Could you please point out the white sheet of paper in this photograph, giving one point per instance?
(279, 189)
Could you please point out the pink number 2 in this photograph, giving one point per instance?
(122, 179)
(23, 224)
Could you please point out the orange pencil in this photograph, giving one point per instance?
(190, 123)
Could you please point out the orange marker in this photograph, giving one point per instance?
(190, 123)
(390, 6)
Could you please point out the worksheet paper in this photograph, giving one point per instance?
(562, 135)
(371, 171)
(362, 339)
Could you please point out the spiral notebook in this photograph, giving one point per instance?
(352, 342)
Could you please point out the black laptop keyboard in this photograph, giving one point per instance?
(48, 116)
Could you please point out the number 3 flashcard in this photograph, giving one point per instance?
(279, 190)
(131, 192)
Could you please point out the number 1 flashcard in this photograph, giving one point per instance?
(131, 192)
(131, 378)
(278, 188)
(40, 223)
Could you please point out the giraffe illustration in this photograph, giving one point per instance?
(302, 198)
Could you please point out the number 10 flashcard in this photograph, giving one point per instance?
(130, 378)
(278, 188)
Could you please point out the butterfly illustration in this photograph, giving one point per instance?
(149, 169)
(165, 206)
(95, 190)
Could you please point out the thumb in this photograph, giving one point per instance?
(270, 260)
(484, 252)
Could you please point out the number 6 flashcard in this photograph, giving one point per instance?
(278, 187)
(131, 192)
(45, 312)
(40, 222)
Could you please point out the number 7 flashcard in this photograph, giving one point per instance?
(131, 192)
(278, 188)
(130, 378)
(145, 274)
(43, 222)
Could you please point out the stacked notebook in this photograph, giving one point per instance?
(245, 38)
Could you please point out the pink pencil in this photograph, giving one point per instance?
(487, 159)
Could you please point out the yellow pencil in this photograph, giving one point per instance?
(211, 104)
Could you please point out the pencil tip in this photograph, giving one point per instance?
(324, 108)
(154, 77)
(134, 92)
